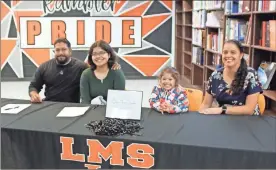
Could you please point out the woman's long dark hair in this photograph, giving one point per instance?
(238, 82)
(107, 48)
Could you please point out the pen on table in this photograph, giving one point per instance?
(12, 108)
(94, 107)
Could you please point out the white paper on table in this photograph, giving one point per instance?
(13, 108)
(72, 111)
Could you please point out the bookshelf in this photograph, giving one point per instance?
(251, 15)
(267, 51)
(213, 50)
(179, 37)
(184, 39)
(198, 43)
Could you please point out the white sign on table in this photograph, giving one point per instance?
(72, 111)
(13, 108)
(123, 104)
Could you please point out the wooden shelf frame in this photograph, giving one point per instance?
(270, 94)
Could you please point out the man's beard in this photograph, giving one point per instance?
(62, 59)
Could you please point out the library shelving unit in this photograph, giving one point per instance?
(184, 38)
(253, 16)
(179, 37)
(263, 53)
(198, 43)
(214, 33)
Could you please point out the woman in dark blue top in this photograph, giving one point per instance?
(235, 86)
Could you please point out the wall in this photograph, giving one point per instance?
(153, 50)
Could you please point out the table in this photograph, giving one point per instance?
(36, 138)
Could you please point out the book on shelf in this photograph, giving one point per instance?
(215, 19)
(238, 29)
(248, 31)
(198, 56)
(198, 37)
(266, 71)
(215, 41)
(237, 6)
(199, 18)
(210, 4)
(265, 5)
(217, 4)
(198, 5)
(268, 34)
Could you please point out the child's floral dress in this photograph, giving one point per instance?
(176, 97)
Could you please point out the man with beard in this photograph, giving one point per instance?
(60, 75)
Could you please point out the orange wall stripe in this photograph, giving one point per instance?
(169, 4)
(15, 2)
(39, 56)
(149, 23)
(136, 12)
(6, 48)
(148, 65)
(4, 10)
(118, 5)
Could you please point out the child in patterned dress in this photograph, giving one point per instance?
(167, 96)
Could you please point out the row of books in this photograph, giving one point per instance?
(238, 29)
(265, 5)
(217, 4)
(197, 37)
(236, 6)
(211, 4)
(215, 19)
(199, 18)
(202, 18)
(215, 41)
(240, 6)
(268, 34)
(198, 55)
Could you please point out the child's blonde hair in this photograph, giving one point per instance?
(173, 72)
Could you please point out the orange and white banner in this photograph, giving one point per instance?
(41, 32)
(142, 33)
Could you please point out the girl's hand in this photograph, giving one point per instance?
(169, 107)
(163, 107)
(210, 111)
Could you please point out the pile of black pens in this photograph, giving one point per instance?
(115, 127)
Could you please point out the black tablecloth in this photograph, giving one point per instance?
(31, 139)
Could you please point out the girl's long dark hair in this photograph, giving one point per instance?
(238, 82)
(106, 47)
